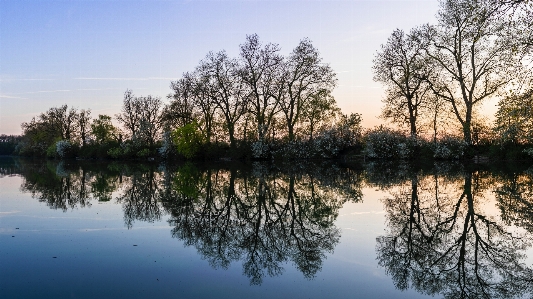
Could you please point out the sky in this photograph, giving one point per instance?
(86, 54)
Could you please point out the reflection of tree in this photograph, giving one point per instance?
(139, 198)
(8, 166)
(441, 241)
(515, 199)
(261, 216)
(57, 186)
(103, 185)
(67, 185)
(384, 174)
(264, 218)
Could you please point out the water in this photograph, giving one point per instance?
(226, 230)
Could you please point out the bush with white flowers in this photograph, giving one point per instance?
(385, 143)
(450, 148)
(328, 144)
(63, 148)
(167, 147)
(260, 149)
(61, 171)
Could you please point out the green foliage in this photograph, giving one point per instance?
(102, 188)
(129, 150)
(38, 136)
(103, 130)
(188, 139)
(115, 152)
(8, 144)
(94, 150)
(187, 181)
(51, 151)
(143, 153)
(514, 119)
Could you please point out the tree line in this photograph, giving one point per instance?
(264, 105)
(250, 106)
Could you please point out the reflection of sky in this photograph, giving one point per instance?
(87, 53)
(95, 257)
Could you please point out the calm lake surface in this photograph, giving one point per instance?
(227, 230)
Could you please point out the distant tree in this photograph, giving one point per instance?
(180, 111)
(141, 117)
(84, 118)
(351, 130)
(321, 108)
(187, 139)
(8, 143)
(402, 66)
(206, 106)
(150, 122)
(38, 135)
(43, 131)
(130, 116)
(103, 130)
(192, 101)
(261, 95)
(62, 119)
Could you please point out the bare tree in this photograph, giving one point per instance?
(225, 88)
(259, 71)
(435, 114)
(84, 118)
(476, 52)
(180, 110)
(150, 121)
(141, 116)
(129, 117)
(305, 75)
(192, 101)
(401, 65)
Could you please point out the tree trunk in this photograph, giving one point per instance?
(291, 132)
(467, 126)
(231, 133)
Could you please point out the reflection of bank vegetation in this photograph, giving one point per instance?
(515, 198)
(442, 239)
(264, 218)
(258, 215)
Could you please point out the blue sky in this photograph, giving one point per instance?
(87, 53)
